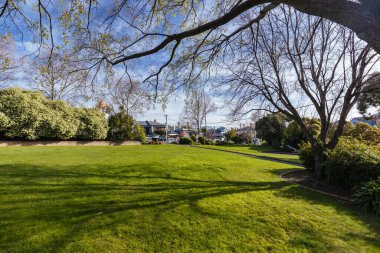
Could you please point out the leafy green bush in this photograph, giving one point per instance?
(352, 163)
(367, 196)
(194, 138)
(306, 156)
(29, 115)
(120, 127)
(202, 140)
(93, 125)
(140, 133)
(185, 140)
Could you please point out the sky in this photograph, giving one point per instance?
(175, 105)
(173, 108)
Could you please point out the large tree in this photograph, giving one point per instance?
(113, 31)
(300, 66)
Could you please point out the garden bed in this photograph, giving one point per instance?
(306, 179)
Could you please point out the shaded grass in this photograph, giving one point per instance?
(261, 151)
(163, 199)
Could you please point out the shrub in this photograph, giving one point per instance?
(140, 133)
(271, 128)
(93, 124)
(29, 115)
(194, 138)
(120, 127)
(306, 156)
(352, 163)
(367, 196)
(202, 140)
(364, 132)
(185, 140)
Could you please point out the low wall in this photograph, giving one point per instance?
(67, 143)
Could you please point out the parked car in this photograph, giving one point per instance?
(290, 149)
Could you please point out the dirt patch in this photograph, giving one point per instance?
(306, 178)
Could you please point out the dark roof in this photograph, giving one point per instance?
(150, 123)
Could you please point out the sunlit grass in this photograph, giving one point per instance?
(262, 151)
(166, 199)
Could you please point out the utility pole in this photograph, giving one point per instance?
(166, 128)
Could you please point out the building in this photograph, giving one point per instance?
(151, 126)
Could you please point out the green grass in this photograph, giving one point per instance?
(262, 151)
(166, 199)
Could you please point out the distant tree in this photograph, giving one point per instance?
(56, 76)
(294, 135)
(197, 106)
(271, 128)
(230, 135)
(371, 96)
(126, 96)
(8, 64)
(120, 127)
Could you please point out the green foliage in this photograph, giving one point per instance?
(230, 135)
(4, 122)
(367, 196)
(352, 163)
(363, 132)
(294, 135)
(306, 155)
(93, 124)
(185, 140)
(194, 138)
(370, 95)
(29, 115)
(140, 133)
(120, 127)
(202, 140)
(62, 123)
(160, 132)
(271, 128)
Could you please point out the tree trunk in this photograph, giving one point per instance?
(319, 153)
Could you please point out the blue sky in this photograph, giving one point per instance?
(140, 70)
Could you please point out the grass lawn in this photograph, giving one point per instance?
(263, 151)
(166, 199)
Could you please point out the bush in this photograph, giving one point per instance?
(201, 140)
(29, 115)
(352, 163)
(194, 138)
(140, 133)
(367, 196)
(306, 156)
(120, 127)
(185, 140)
(93, 124)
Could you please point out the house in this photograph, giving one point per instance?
(183, 132)
(151, 126)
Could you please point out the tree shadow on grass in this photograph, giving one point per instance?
(73, 196)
